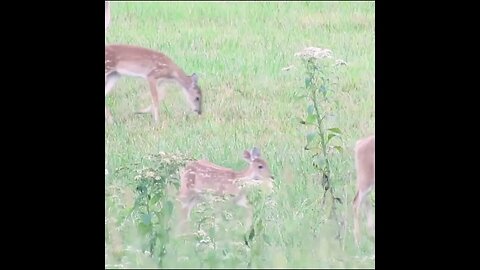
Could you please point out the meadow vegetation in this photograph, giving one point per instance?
(255, 93)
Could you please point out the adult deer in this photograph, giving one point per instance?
(365, 170)
(107, 15)
(156, 68)
(202, 176)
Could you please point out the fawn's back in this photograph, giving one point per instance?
(200, 176)
(138, 62)
(203, 175)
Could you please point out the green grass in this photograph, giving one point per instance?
(238, 49)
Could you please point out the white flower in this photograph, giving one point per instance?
(339, 62)
(314, 52)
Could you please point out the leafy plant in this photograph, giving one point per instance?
(324, 139)
(157, 177)
(263, 208)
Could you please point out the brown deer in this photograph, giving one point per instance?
(156, 68)
(202, 176)
(107, 15)
(365, 170)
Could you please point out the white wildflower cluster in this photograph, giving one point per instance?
(340, 62)
(204, 241)
(227, 215)
(319, 53)
(314, 52)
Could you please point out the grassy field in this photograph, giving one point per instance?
(239, 49)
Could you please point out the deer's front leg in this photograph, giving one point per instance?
(160, 89)
(242, 201)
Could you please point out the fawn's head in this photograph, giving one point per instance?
(194, 94)
(259, 169)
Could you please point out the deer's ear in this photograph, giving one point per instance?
(247, 156)
(194, 78)
(255, 153)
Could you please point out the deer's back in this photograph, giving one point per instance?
(205, 176)
(137, 61)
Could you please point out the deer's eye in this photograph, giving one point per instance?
(260, 166)
(197, 99)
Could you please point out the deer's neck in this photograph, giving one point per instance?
(183, 79)
(242, 174)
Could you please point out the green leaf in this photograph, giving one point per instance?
(267, 240)
(144, 229)
(142, 188)
(168, 208)
(319, 161)
(310, 109)
(308, 82)
(156, 198)
(298, 97)
(330, 136)
(323, 90)
(338, 148)
(311, 136)
(146, 219)
(310, 119)
(335, 130)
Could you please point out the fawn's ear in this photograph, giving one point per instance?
(255, 153)
(247, 156)
(194, 78)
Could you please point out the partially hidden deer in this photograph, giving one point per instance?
(107, 15)
(365, 171)
(154, 67)
(201, 176)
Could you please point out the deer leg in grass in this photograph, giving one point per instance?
(161, 96)
(356, 212)
(242, 201)
(188, 204)
(154, 94)
(110, 81)
(370, 218)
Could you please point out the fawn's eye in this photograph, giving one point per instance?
(260, 166)
(197, 99)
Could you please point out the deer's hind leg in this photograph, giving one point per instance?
(110, 81)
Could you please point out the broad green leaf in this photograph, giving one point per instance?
(335, 130)
(168, 208)
(310, 119)
(146, 219)
(267, 240)
(330, 136)
(310, 109)
(308, 82)
(338, 148)
(323, 90)
(298, 97)
(144, 229)
(311, 136)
